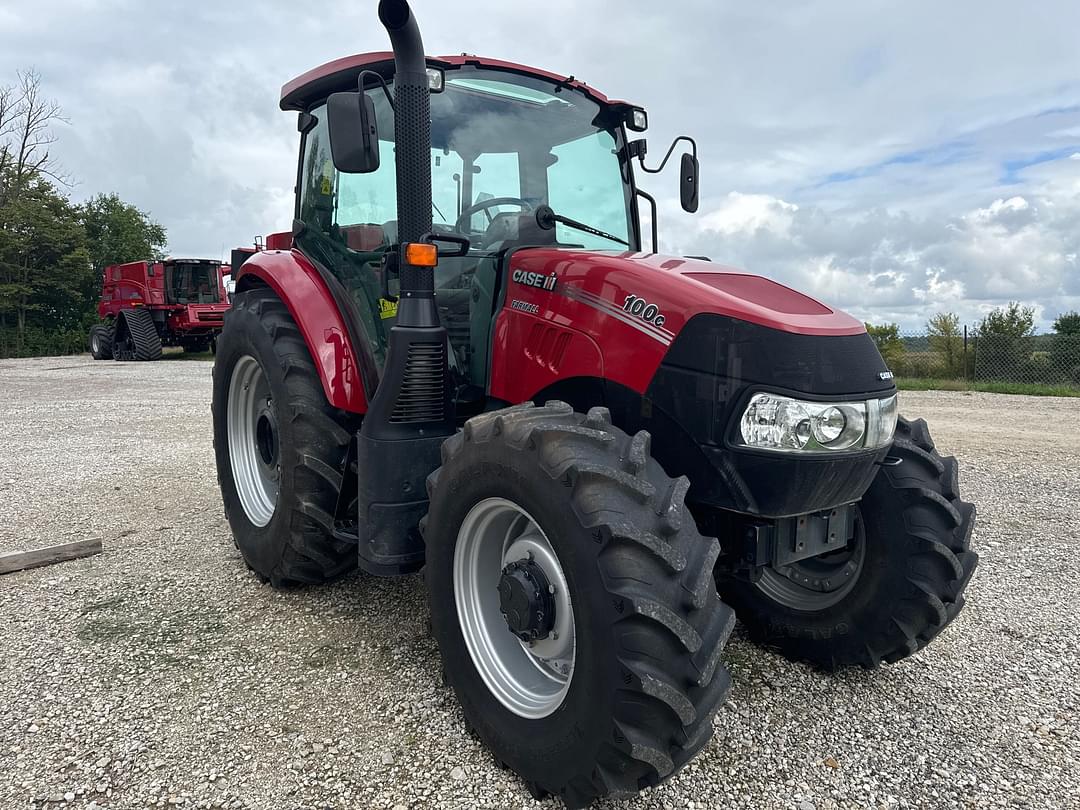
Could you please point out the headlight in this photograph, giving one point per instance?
(775, 422)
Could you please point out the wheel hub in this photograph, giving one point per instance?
(266, 437)
(526, 600)
(818, 582)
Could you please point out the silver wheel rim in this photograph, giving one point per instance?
(253, 442)
(94, 343)
(531, 680)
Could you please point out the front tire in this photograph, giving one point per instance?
(913, 536)
(101, 341)
(280, 446)
(632, 698)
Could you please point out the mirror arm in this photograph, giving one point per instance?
(463, 244)
(652, 217)
(380, 79)
(663, 163)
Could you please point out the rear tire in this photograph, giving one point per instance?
(645, 680)
(101, 341)
(289, 457)
(918, 561)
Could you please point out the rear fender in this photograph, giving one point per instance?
(298, 283)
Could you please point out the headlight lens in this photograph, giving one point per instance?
(883, 422)
(775, 422)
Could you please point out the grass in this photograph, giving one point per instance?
(175, 353)
(1032, 389)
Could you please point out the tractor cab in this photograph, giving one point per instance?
(193, 281)
(506, 143)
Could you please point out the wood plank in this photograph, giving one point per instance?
(21, 560)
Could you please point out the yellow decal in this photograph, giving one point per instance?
(387, 309)
(325, 189)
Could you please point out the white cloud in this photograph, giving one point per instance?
(896, 266)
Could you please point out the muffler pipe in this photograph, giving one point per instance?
(412, 121)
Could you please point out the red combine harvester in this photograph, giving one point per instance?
(147, 305)
(704, 443)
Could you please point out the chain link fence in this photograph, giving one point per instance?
(1037, 360)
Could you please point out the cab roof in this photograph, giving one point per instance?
(341, 74)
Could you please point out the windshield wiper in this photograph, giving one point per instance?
(546, 219)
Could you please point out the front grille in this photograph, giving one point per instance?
(422, 397)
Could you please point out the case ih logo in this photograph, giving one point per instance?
(538, 280)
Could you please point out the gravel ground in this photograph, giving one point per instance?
(163, 673)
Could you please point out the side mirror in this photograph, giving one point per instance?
(688, 183)
(354, 135)
(688, 171)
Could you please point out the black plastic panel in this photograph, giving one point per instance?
(713, 367)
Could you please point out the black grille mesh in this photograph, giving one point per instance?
(422, 397)
(412, 127)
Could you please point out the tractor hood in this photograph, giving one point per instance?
(658, 295)
(678, 346)
(628, 312)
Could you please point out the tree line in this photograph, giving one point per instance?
(1002, 346)
(53, 251)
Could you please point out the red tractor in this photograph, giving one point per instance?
(467, 358)
(147, 305)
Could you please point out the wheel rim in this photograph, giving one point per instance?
(531, 680)
(254, 453)
(94, 344)
(819, 582)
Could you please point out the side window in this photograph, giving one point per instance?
(319, 177)
(368, 199)
(580, 187)
(350, 219)
(331, 199)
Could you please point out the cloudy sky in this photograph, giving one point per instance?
(891, 158)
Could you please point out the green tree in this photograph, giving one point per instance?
(887, 339)
(118, 232)
(44, 265)
(1004, 351)
(1067, 323)
(1065, 348)
(947, 342)
(1012, 321)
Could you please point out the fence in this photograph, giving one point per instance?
(1043, 360)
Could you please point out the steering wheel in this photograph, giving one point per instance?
(461, 226)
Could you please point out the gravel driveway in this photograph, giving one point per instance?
(161, 673)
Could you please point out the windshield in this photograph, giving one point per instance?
(194, 283)
(496, 136)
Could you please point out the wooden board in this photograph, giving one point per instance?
(21, 560)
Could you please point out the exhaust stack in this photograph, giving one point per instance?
(412, 135)
(411, 413)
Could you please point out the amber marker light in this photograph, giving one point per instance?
(421, 254)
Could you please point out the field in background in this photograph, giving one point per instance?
(1042, 365)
